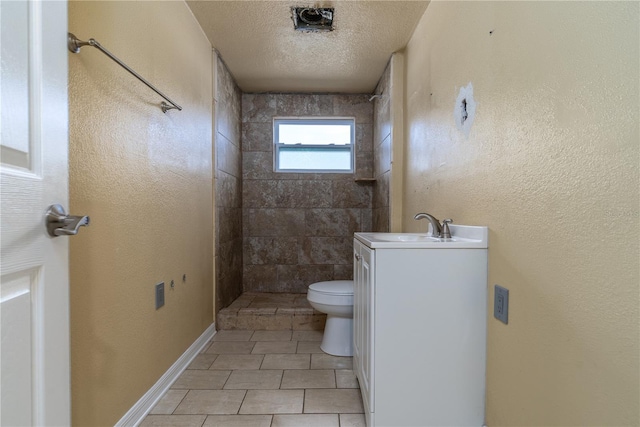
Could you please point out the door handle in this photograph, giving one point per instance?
(60, 224)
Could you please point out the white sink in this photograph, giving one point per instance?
(404, 237)
(462, 236)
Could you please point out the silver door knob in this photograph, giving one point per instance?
(60, 224)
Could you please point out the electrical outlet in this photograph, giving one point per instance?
(501, 304)
(159, 295)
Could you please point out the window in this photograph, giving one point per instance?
(314, 145)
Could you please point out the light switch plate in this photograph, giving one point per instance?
(501, 304)
(159, 295)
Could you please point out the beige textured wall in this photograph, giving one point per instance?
(145, 178)
(551, 166)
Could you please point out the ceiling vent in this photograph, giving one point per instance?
(312, 20)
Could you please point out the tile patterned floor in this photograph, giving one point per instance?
(263, 379)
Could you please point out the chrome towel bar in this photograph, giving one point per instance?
(74, 45)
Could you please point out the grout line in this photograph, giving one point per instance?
(214, 361)
(304, 399)
(181, 400)
(227, 380)
(242, 403)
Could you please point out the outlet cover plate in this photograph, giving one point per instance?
(159, 295)
(501, 304)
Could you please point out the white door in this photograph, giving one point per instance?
(34, 279)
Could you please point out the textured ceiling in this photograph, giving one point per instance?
(264, 53)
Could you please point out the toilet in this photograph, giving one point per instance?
(335, 298)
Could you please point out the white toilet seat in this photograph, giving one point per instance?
(337, 292)
(333, 287)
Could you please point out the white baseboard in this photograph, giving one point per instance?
(136, 414)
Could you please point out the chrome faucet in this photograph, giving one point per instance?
(438, 230)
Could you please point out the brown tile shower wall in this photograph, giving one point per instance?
(382, 152)
(298, 228)
(228, 174)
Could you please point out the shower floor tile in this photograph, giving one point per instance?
(275, 312)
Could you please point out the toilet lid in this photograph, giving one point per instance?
(333, 287)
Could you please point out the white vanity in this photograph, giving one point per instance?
(420, 315)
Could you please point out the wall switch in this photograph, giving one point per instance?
(159, 295)
(501, 304)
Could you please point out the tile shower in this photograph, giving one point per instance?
(298, 228)
(228, 188)
(382, 153)
(280, 232)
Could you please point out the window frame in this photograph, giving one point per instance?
(351, 121)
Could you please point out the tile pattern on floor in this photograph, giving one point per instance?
(270, 312)
(262, 379)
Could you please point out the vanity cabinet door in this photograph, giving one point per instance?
(363, 322)
(357, 309)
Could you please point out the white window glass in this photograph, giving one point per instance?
(314, 145)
